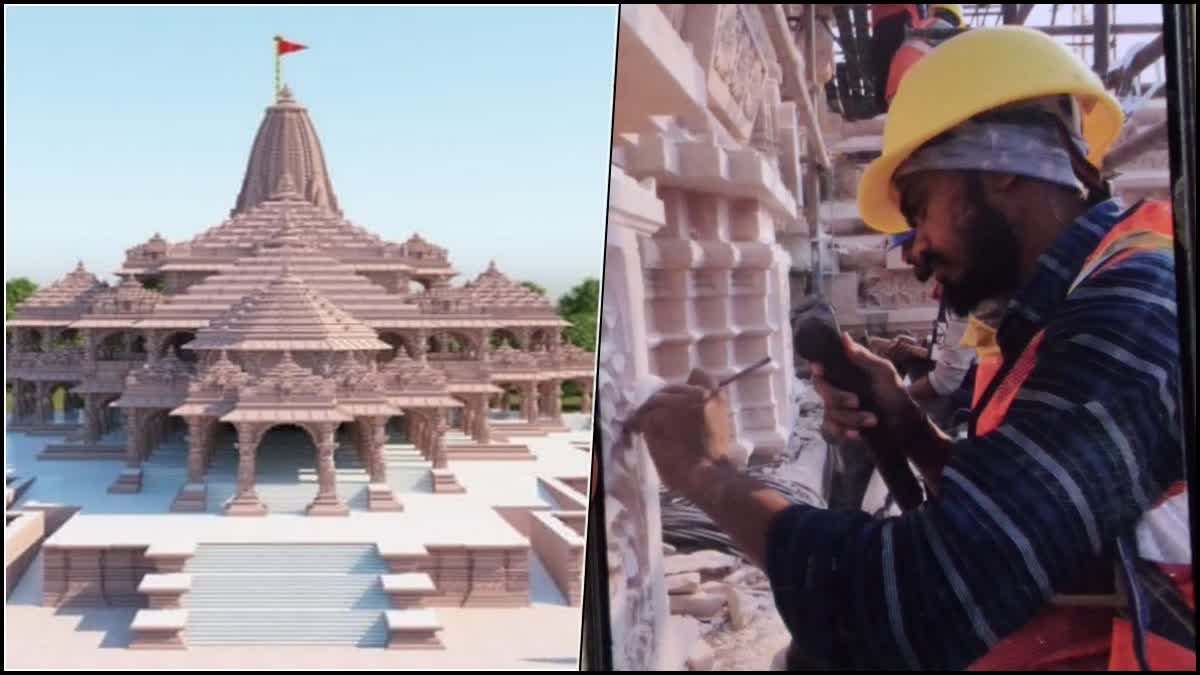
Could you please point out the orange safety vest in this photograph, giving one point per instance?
(910, 52)
(1085, 638)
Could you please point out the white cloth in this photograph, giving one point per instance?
(953, 360)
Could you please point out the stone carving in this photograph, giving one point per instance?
(738, 61)
(893, 289)
(631, 496)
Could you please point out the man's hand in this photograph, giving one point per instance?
(686, 427)
(921, 440)
(844, 418)
(898, 350)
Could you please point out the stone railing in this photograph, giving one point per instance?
(115, 371)
(464, 371)
(435, 305)
(66, 364)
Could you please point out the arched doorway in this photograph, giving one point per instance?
(504, 337)
(285, 469)
(540, 339)
(452, 346)
(65, 407)
(174, 345)
(121, 346)
(398, 342)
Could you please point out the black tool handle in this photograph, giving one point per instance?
(817, 337)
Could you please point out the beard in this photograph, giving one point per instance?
(992, 250)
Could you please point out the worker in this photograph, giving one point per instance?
(901, 35)
(1070, 483)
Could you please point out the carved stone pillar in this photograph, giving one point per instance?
(467, 415)
(90, 347)
(430, 433)
(585, 404)
(155, 340)
(326, 503)
(421, 345)
(414, 428)
(438, 440)
(483, 428)
(200, 430)
(245, 502)
(193, 496)
(377, 439)
(20, 400)
(47, 339)
(42, 402)
(555, 392)
(127, 346)
(135, 436)
(91, 418)
(380, 496)
(529, 401)
(130, 478)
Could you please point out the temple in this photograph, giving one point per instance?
(289, 362)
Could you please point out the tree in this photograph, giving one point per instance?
(584, 298)
(535, 287)
(582, 331)
(16, 291)
(580, 306)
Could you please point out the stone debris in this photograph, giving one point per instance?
(683, 584)
(698, 604)
(707, 563)
(741, 608)
(684, 632)
(701, 656)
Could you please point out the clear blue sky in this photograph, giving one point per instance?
(486, 130)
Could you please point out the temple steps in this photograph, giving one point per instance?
(284, 594)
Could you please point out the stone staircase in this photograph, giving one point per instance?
(407, 470)
(280, 594)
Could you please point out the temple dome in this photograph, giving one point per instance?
(286, 161)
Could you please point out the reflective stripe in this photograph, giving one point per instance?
(1064, 479)
(892, 594)
(1032, 564)
(982, 628)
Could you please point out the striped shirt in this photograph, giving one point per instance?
(1089, 445)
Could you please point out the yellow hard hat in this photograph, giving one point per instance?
(956, 10)
(973, 72)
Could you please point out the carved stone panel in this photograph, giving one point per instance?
(738, 68)
(637, 591)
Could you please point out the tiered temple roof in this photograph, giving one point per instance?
(286, 315)
(62, 302)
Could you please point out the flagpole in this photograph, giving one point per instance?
(277, 59)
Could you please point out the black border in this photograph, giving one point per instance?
(1179, 31)
(595, 632)
(1179, 49)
